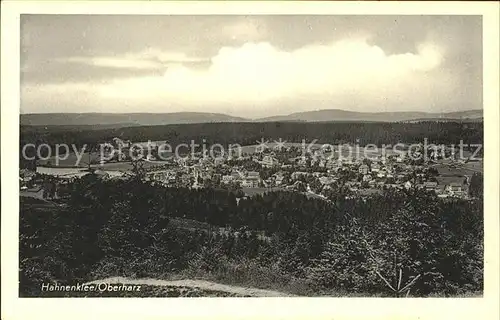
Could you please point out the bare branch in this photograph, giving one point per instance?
(400, 276)
(386, 282)
(410, 284)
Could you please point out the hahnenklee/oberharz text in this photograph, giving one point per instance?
(101, 287)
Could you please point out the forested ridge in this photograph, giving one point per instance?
(384, 245)
(245, 133)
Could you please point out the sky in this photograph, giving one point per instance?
(250, 66)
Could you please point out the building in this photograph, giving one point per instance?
(278, 179)
(408, 185)
(391, 186)
(380, 174)
(218, 161)
(26, 175)
(234, 176)
(252, 174)
(298, 186)
(367, 177)
(161, 175)
(302, 162)
(197, 172)
(227, 178)
(333, 164)
(326, 180)
(325, 189)
(363, 169)
(269, 161)
(430, 185)
(455, 189)
(251, 180)
(298, 174)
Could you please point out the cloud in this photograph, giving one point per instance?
(253, 78)
(166, 57)
(115, 62)
(148, 59)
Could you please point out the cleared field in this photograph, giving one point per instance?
(62, 172)
(474, 166)
(70, 161)
(446, 180)
(459, 170)
(253, 191)
(73, 164)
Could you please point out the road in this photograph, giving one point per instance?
(199, 284)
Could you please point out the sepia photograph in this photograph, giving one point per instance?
(252, 155)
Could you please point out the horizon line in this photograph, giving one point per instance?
(236, 116)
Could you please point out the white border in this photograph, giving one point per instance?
(233, 308)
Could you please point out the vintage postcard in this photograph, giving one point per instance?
(255, 155)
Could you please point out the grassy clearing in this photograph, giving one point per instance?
(250, 273)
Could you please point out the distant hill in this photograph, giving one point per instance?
(123, 119)
(446, 120)
(116, 120)
(343, 115)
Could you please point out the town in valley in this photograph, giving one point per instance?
(314, 170)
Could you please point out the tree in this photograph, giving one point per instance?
(382, 245)
(476, 185)
(315, 185)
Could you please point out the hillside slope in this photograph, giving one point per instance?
(116, 120)
(124, 119)
(343, 115)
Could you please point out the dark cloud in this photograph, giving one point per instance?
(62, 72)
